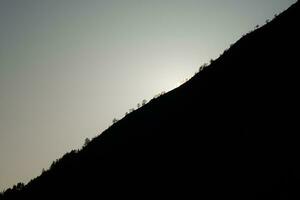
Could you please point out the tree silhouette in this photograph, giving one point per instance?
(202, 67)
(115, 120)
(53, 164)
(19, 186)
(144, 102)
(86, 142)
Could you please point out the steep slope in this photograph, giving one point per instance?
(229, 132)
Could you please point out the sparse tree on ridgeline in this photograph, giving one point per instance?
(86, 142)
(131, 109)
(144, 102)
(115, 120)
(202, 67)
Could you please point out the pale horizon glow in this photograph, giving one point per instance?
(68, 67)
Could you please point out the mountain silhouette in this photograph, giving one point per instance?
(231, 131)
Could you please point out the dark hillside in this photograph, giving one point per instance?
(232, 131)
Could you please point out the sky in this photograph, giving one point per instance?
(68, 67)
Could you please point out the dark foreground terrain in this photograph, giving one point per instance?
(232, 131)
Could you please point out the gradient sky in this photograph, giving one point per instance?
(68, 67)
